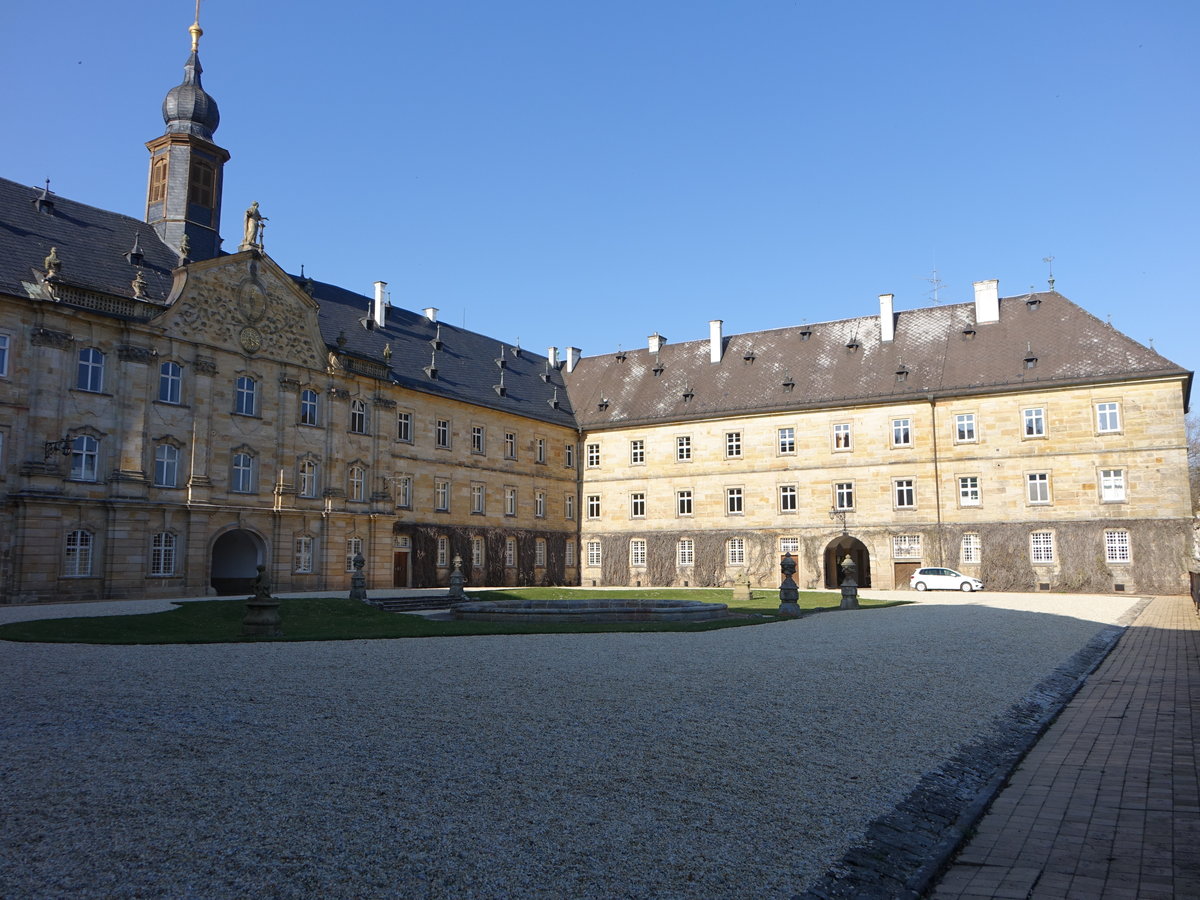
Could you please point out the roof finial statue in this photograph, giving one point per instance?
(195, 29)
(252, 236)
(1049, 260)
(139, 285)
(52, 264)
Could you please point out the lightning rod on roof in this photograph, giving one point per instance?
(935, 286)
(1049, 260)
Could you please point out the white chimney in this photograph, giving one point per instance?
(887, 321)
(572, 358)
(716, 345)
(987, 301)
(552, 356)
(656, 342)
(430, 313)
(379, 308)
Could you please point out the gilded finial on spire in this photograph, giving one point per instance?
(195, 30)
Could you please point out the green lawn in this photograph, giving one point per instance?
(336, 618)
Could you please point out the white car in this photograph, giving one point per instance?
(936, 579)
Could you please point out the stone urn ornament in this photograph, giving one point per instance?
(789, 594)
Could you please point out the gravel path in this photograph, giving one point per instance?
(730, 764)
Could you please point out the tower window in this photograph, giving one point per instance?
(158, 180)
(201, 184)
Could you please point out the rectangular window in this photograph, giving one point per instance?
(1112, 485)
(843, 495)
(637, 452)
(404, 429)
(906, 546)
(540, 445)
(441, 433)
(166, 466)
(358, 417)
(1038, 487)
(1108, 418)
(539, 553)
(683, 448)
(245, 396)
(308, 478)
(841, 436)
(733, 445)
(905, 493)
(964, 428)
(476, 438)
(736, 551)
(593, 456)
(685, 552)
(1041, 547)
(968, 491)
(78, 559)
(304, 555)
(569, 455)
(510, 501)
(569, 553)
(404, 491)
(3, 355)
(901, 432)
(593, 506)
(85, 458)
(569, 506)
(309, 408)
(789, 545)
(162, 554)
(683, 503)
(510, 445)
(637, 552)
(734, 501)
(477, 494)
(443, 552)
(593, 553)
(477, 552)
(787, 440)
(787, 498)
(971, 548)
(170, 381)
(354, 547)
(539, 504)
(358, 483)
(1035, 422)
(441, 495)
(510, 552)
(242, 480)
(1116, 546)
(90, 375)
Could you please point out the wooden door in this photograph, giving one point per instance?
(400, 569)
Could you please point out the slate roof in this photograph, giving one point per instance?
(91, 243)
(1066, 344)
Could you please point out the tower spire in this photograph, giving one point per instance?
(195, 30)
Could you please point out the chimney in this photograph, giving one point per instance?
(656, 342)
(887, 321)
(987, 301)
(430, 313)
(716, 344)
(552, 356)
(572, 358)
(379, 309)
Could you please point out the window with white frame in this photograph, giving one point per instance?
(904, 493)
(4, 342)
(404, 427)
(170, 382)
(539, 504)
(843, 495)
(637, 552)
(358, 416)
(569, 455)
(358, 484)
(85, 458)
(593, 553)
(841, 436)
(77, 561)
(683, 503)
(971, 548)
(902, 432)
(166, 466)
(310, 407)
(90, 374)
(477, 552)
(968, 490)
(735, 551)
(685, 552)
(683, 448)
(1041, 547)
(1108, 418)
(733, 445)
(477, 439)
(593, 506)
(789, 545)
(637, 505)
(245, 396)
(242, 473)
(303, 549)
(441, 434)
(510, 552)
(540, 450)
(734, 501)
(637, 452)
(510, 501)
(787, 440)
(477, 493)
(354, 547)
(162, 554)
(308, 478)
(443, 552)
(1034, 420)
(404, 491)
(964, 428)
(1116, 546)
(510, 445)
(1037, 486)
(593, 455)
(441, 495)
(1112, 485)
(569, 553)
(539, 553)
(568, 506)
(906, 546)
(788, 498)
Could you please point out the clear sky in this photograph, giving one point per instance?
(562, 173)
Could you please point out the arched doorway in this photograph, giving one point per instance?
(236, 556)
(836, 552)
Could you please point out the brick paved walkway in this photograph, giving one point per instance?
(1106, 805)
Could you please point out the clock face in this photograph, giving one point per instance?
(251, 338)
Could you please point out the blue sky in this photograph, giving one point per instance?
(585, 174)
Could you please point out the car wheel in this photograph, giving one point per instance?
(920, 585)
(965, 587)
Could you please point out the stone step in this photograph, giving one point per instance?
(408, 604)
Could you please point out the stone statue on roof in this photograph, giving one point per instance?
(252, 236)
(52, 263)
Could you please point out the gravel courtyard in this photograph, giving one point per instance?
(728, 764)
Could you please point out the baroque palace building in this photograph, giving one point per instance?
(172, 416)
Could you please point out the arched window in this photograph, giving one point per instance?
(308, 478)
(309, 408)
(170, 380)
(90, 375)
(358, 483)
(358, 416)
(162, 554)
(158, 180)
(78, 560)
(166, 466)
(85, 458)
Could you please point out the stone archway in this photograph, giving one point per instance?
(236, 556)
(836, 552)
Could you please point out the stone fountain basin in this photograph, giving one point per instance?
(602, 610)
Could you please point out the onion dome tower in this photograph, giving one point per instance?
(183, 200)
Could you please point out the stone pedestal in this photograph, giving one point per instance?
(789, 593)
(457, 595)
(741, 592)
(358, 581)
(849, 585)
(262, 610)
